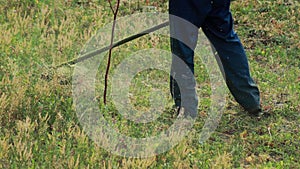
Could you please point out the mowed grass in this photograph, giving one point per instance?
(39, 126)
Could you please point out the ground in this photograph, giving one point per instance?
(40, 129)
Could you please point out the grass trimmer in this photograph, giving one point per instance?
(48, 76)
(116, 44)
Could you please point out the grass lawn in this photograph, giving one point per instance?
(38, 124)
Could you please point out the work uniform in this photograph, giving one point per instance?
(215, 19)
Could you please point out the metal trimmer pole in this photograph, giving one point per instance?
(121, 42)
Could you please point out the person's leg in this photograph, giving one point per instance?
(185, 19)
(218, 27)
(182, 82)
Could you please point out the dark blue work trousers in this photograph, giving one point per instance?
(215, 19)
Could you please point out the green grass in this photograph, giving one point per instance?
(38, 124)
